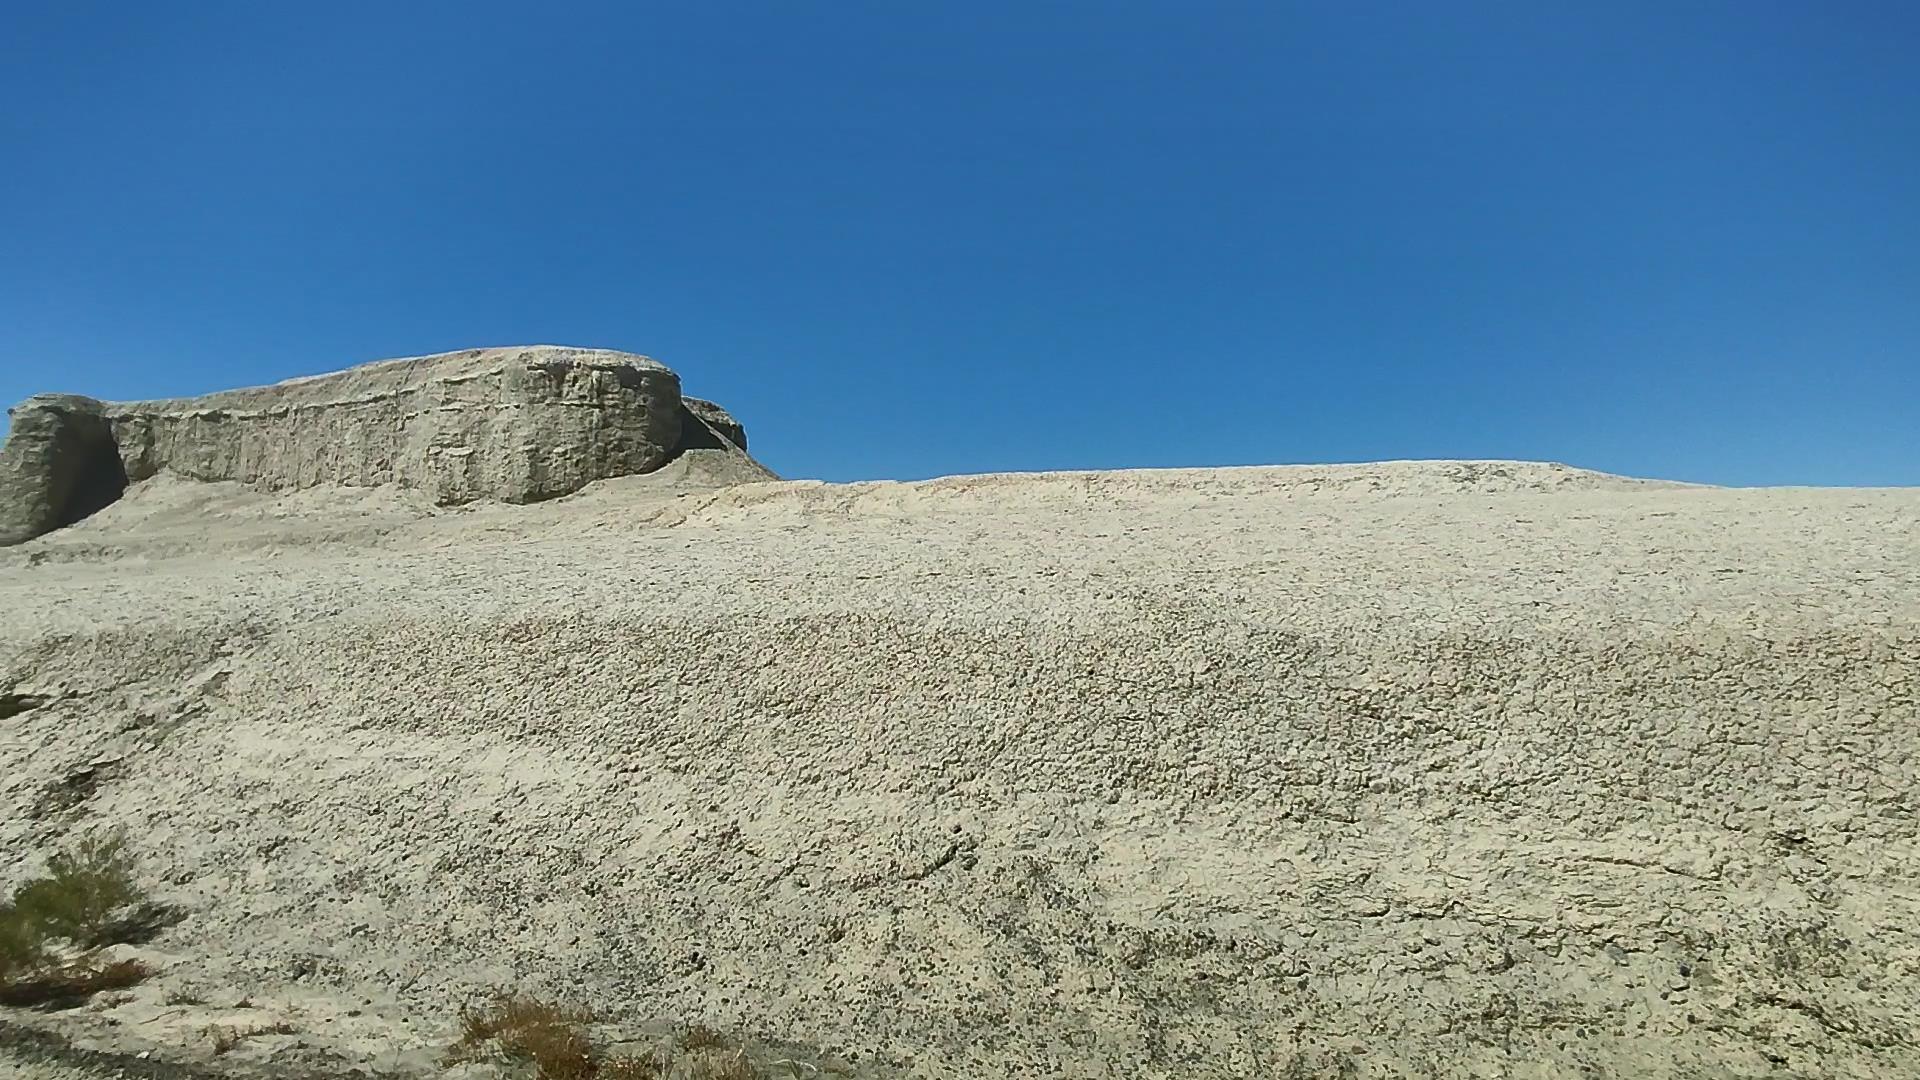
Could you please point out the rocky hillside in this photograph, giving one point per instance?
(1413, 769)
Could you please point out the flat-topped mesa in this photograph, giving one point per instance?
(507, 424)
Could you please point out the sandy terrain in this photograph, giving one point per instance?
(1412, 769)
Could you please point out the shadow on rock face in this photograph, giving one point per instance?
(99, 481)
(59, 465)
(12, 704)
(706, 426)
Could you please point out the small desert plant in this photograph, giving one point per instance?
(525, 1029)
(712, 1056)
(83, 888)
(22, 945)
(225, 1039)
(552, 1039)
(702, 1037)
(629, 1068)
(721, 1065)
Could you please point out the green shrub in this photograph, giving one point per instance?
(22, 946)
(83, 888)
(77, 899)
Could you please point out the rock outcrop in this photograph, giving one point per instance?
(507, 424)
(704, 420)
(57, 466)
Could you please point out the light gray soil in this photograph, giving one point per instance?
(1411, 769)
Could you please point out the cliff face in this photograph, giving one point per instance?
(508, 424)
(57, 466)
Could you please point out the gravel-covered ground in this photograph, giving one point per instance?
(1412, 769)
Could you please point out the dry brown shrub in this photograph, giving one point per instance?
(721, 1065)
(225, 1039)
(512, 1027)
(702, 1037)
(72, 982)
(526, 1029)
(629, 1068)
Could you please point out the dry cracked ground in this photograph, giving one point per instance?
(1403, 770)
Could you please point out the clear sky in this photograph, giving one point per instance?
(1675, 239)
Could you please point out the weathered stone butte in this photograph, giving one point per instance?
(507, 424)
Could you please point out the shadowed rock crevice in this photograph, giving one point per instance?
(520, 424)
(99, 479)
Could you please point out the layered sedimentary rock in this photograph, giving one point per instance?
(508, 424)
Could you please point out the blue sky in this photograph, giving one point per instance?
(908, 239)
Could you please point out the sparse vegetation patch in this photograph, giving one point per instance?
(224, 1039)
(80, 904)
(552, 1043)
(515, 1028)
(82, 891)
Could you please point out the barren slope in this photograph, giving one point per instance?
(1411, 769)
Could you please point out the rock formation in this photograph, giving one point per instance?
(509, 424)
(58, 465)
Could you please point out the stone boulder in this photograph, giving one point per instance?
(508, 424)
